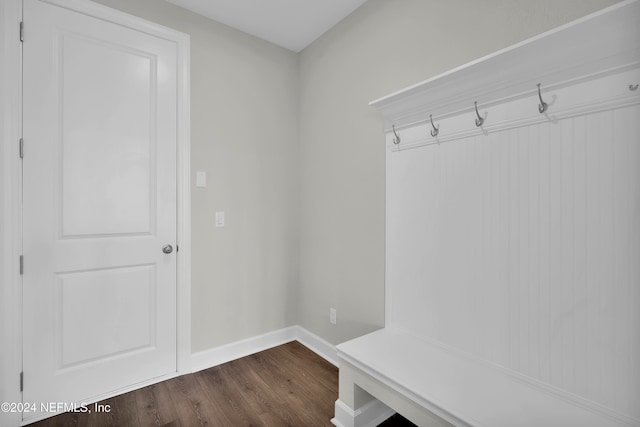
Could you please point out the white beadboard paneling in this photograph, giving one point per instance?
(626, 269)
(521, 247)
(583, 186)
(517, 243)
(546, 289)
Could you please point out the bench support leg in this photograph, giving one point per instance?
(355, 407)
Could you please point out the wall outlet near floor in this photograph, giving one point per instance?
(332, 315)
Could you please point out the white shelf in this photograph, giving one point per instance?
(595, 44)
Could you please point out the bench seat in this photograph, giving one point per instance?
(433, 385)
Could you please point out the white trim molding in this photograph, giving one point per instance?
(318, 345)
(10, 210)
(183, 254)
(235, 350)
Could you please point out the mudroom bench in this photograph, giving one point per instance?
(511, 279)
(433, 385)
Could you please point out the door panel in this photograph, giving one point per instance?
(90, 329)
(110, 144)
(99, 205)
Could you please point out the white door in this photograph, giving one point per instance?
(99, 205)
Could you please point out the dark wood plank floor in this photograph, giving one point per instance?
(287, 385)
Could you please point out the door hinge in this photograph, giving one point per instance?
(21, 381)
(21, 264)
(21, 31)
(21, 148)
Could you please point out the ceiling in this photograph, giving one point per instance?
(292, 24)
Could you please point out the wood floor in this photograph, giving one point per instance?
(287, 385)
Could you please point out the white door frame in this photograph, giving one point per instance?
(11, 189)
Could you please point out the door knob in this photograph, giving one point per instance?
(167, 249)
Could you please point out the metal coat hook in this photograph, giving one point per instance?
(479, 120)
(435, 130)
(633, 87)
(542, 107)
(396, 140)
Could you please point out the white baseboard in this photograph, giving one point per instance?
(369, 415)
(318, 345)
(228, 352)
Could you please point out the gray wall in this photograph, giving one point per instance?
(380, 48)
(295, 157)
(244, 135)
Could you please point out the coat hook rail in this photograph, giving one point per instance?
(435, 130)
(542, 107)
(479, 120)
(396, 140)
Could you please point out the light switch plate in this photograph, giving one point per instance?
(219, 219)
(201, 179)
